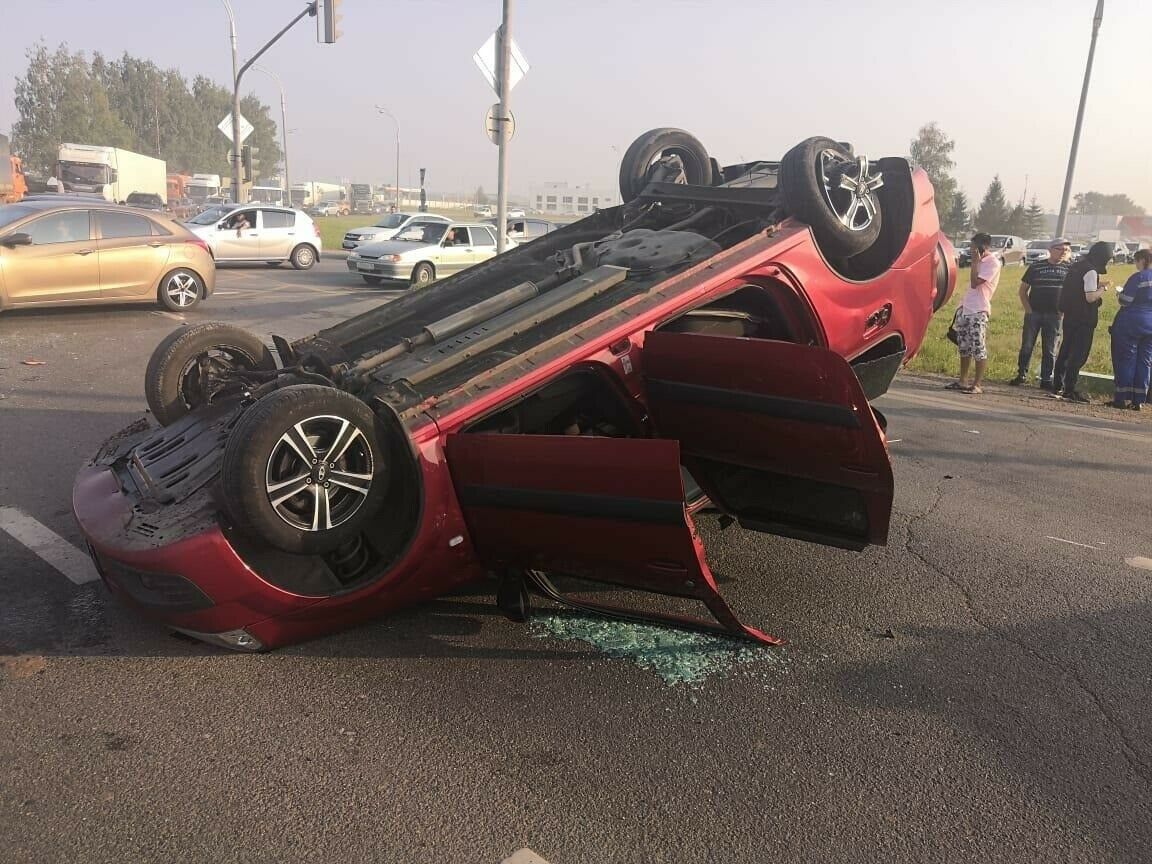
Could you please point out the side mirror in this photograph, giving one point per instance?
(14, 240)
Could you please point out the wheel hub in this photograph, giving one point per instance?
(849, 188)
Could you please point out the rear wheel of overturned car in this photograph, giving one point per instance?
(657, 143)
(372, 280)
(423, 275)
(180, 290)
(304, 469)
(834, 192)
(303, 257)
(182, 367)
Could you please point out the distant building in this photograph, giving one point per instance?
(570, 199)
(1081, 226)
(1136, 228)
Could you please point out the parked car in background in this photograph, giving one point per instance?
(525, 230)
(516, 213)
(482, 211)
(1120, 253)
(553, 416)
(424, 252)
(1036, 251)
(964, 253)
(388, 227)
(325, 208)
(182, 208)
(1008, 248)
(64, 253)
(146, 201)
(273, 235)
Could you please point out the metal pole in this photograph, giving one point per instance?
(386, 112)
(283, 129)
(235, 106)
(503, 61)
(1063, 217)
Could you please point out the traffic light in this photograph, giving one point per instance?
(248, 160)
(328, 21)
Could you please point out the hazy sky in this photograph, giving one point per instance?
(748, 77)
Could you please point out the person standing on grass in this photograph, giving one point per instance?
(1040, 296)
(972, 316)
(1080, 299)
(1132, 337)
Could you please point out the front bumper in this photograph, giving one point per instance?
(382, 269)
(183, 573)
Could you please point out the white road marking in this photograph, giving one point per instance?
(219, 293)
(524, 856)
(47, 545)
(1073, 543)
(1137, 561)
(174, 317)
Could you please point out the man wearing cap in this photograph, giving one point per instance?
(1040, 296)
(1080, 299)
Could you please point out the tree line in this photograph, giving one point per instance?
(132, 104)
(932, 151)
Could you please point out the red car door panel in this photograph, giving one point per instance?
(603, 509)
(779, 435)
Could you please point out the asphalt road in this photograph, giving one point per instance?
(978, 690)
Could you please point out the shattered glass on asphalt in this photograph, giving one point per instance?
(677, 656)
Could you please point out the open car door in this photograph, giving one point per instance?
(607, 510)
(779, 435)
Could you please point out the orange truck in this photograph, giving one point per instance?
(12, 184)
(178, 186)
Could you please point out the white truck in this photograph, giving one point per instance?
(266, 195)
(202, 187)
(314, 194)
(110, 172)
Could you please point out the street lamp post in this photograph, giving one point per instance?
(1063, 217)
(284, 130)
(385, 111)
(235, 105)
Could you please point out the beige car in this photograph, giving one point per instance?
(57, 253)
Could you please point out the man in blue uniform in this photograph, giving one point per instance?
(1132, 337)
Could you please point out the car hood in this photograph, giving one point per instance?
(378, 233)
(380, 248)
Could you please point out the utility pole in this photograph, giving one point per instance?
(385, 111)
(1063, 217)
(503, 61)
(283, 129)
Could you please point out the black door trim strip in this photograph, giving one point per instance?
(654, 510)
(783, 407)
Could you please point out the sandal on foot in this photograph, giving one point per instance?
(973, 390)
(955, 385)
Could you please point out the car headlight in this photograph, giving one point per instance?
(353, 255)
(395, 259)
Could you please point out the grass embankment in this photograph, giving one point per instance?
(1004, 326)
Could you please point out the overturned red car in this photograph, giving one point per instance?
(552, 417)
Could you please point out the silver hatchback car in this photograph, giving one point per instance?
(260, 232)
(423, 253)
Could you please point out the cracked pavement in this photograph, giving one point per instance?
(977, 690)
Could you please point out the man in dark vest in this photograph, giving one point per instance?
(1080, 299)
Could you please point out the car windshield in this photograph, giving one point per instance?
(1039, 244)
(8, 215)
(392, 220)
(83, 172)
(427, 232)
(143, 198)
(208, 217)
(999, 241)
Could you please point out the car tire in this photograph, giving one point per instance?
(173, 375)
(303, 257)
(270, 454)
(832, 213)
(659, 142)
(180, 290)
(423, 275)
(372, 280)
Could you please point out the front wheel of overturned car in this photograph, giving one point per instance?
(303, 257)
(655, 144)
(180, 372)
(180, 290)
(304, 469)
(834, 192)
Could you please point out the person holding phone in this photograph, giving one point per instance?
(971, 321)
(1080, 299)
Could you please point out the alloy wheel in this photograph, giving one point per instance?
(319, 473)
(849, 189)
(182, 289)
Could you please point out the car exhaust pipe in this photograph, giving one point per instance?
(453, 325)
